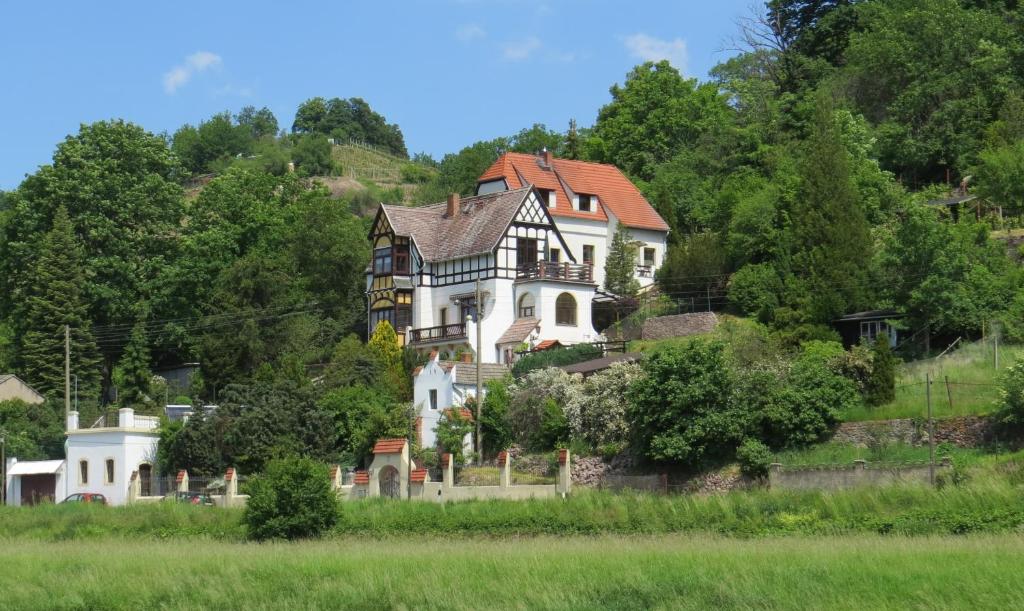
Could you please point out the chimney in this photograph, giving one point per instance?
(547, 157)
(453, 205)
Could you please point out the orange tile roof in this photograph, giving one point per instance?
(607, 182)
(362, 477)
(502, 458)
(388, 446)
(548, 343)
(418, 476)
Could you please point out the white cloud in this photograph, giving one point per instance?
(470, 32)
(199, 61)
(520, 50)
(651, 49)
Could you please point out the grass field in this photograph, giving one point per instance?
(867, 572)
(973, 385)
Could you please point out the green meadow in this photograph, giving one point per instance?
(616, 572)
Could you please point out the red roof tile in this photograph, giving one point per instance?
(607, 182)
(446, 459)
(548, 343)
(181, 475)
(418, 476)
(229, 474)
(389, 446)
(563, 456)
(362, 477)
(502, 458)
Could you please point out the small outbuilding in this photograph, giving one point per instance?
(13, 387)
(859, 326)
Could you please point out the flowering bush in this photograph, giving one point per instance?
(596, 412)
(535, 413)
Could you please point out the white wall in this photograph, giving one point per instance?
(546, 293)
(432, 376)
(128, 448)
(577, 232)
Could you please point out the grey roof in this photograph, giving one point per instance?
(873, 314)
(679, 325)
(518, 331)
(595, 365)
(477, 228)
(952, 201)
(465, 373)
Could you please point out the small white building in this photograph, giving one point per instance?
(100, 459)
(442, 385)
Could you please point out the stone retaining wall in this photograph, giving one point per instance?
(860, 473)
(963, 432)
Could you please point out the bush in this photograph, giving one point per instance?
(754, 458)
(597, 414)
(1010, 405)
(292, 499)
(535, 417)
(555, 358)
(880, 387)
(452, 429)
(755, 290)
(497, 435)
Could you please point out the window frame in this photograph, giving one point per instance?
(526, 311)
(588, 248)
(83, 472)
(555, 255)
(432, 399)
(562, 308)
(586, 198)
(109, 471)
(654, 256)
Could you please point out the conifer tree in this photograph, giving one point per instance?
(620, 267)
(572, 141)
(832, 240)
(384, 345)
(132, 375)
(55, 298)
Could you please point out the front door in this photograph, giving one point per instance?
(390, 487)
(146, 480)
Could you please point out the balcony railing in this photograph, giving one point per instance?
(550, 270)
(644, 271)
(437, 334)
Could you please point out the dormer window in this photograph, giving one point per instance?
(585, 203)
(401, 256)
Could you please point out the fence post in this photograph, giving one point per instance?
(336, 478)
(504, 470)
(564, 472)
(447, 470)
(182, 481)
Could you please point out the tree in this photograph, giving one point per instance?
(571, 149)
(350, 119)
(535, 412)
(1000, 177)
(694, 269)
(620, 266)
(33, 431)
(361, 415)
(451, 431)
(1010, 405)
(119, 186)
(681, 410)
(830, 232)
(293, 499)
(494, 416)
(312, 156)
(652, 117)
(756, 290)
(596, 415)
(56, 298)
(384, 344)
(132, 375)
(194, 446)
(880, 386)
(260, 122)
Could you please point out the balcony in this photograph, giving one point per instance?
(645, 271)
(455, 331)
(550, 270)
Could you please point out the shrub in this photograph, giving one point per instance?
(1010, 405)
(597, 414)
(535, 417)
(292, 499)
(880, 386)
(755, 290)
(497, 435)
(451, 430)
(554, 358)
(681, 410)
(754, 458)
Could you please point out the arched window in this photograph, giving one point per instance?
(565, 310)
(527, 306)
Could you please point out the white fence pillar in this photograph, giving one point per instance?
(564, 472)
(504, 470)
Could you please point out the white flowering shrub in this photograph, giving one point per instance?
(536, 407)
(596, 409)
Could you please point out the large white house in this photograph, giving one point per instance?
(536, 235)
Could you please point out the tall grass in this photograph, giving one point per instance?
(973, 387)
(866, 572)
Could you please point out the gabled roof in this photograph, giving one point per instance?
(600, 364)
(607, 182)
(418, 476)
(464, 413)
(518, 331)
(465, 373)
(546, 344)
(389, 446)
(361, 477)
(477, 228)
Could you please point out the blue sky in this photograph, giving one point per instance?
(449, 72)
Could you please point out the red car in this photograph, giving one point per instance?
(86, 497)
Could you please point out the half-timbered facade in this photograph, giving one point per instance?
(427, 260)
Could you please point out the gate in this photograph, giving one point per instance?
(390, 486)
(146, 480)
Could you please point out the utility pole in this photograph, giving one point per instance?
(931, 428)
(479, 354)
(67, 373)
